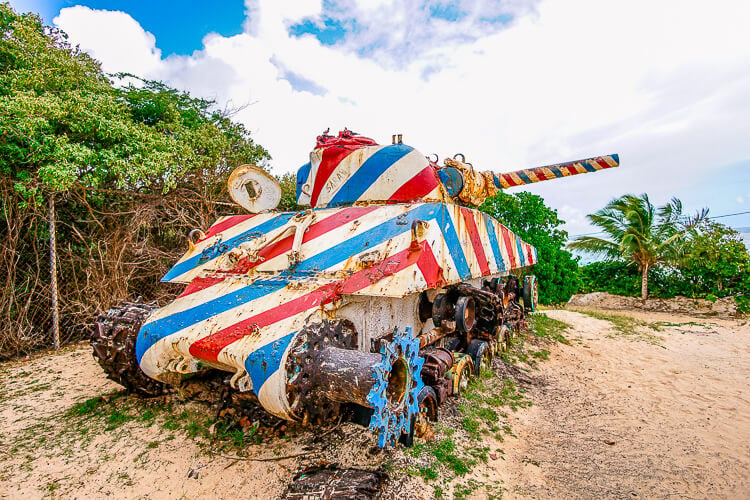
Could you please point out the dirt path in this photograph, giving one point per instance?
(654, 415)
(620, 417)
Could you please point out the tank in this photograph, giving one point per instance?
(384, 297)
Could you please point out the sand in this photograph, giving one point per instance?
(664, 414)
(621, 418)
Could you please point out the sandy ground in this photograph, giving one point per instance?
(624, 418)
(660, 415)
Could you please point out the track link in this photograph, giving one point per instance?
(113, 342)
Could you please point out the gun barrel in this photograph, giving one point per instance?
(539, 174)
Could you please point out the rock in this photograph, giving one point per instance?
(679, 305)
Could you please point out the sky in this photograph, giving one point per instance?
(510, 84)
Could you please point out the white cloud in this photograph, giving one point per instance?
(666, 84)
(112, 37)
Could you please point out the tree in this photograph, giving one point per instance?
(133, 165)
(63, 122)
(537, 224)
(717, 262)
(640, 233)
(288, 183)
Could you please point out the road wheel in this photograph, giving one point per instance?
(530, 293)
(481, 355)
(428, 412)
(503, 336)
(113, 342)
(463, 374)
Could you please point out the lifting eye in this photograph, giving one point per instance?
(196, 235)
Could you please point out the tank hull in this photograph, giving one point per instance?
(253, 282)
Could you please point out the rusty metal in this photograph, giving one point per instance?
(325, 370)
(437, 362)
(461, 373)
(113, 343)
(443, 389)
(309, 400)
(433, 335)
(331, 306)
(333, 483)
(465, 308)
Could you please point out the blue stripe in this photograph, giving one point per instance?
(588, 166)
(160, 328)
(156, 330)
(302, 176)
(369, 172)
(556, 172)
(454, 244)
(385, 231)
(264, 361)
(525, 178)
(221, 247)
(494, 243)
(521, 255)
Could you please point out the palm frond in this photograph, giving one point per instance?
(596, 246)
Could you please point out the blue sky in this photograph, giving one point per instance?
(178, 25)
(511, 84)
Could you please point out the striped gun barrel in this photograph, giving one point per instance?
(539, 174)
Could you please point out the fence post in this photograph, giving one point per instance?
(53, 272)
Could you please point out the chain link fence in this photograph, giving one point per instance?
(110, 247)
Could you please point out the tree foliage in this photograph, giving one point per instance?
(63, 122)
(134, 164)
(537, 224)
(288, 183)
(714, 263)
(639, 233)
(717, 262)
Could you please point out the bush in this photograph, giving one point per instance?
(715, 265)
(621, 278)
(537, 224)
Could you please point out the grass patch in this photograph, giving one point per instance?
(627, 326)
(85, 420)
(446, 454)
(542, 326)
(458, 446)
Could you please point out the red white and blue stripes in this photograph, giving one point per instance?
(343, 175)
(242, 318)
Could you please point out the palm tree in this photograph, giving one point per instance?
(640, 233)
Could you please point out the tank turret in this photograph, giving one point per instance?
(386, 297)
(351, 169)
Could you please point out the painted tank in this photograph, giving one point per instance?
(384, 296)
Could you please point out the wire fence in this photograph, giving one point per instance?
(110, 247)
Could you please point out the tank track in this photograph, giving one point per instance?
(113, 342)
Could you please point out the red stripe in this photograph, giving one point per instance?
(199, 284)
(417, 187)
(227, 223)
(476, 241)
(332, 156)
(572, 169)
(506, 239)
(431, 270)
(282, 246)
(510, 180)
(603, 163)
(208, 348)
(529, 253)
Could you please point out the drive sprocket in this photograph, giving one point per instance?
(113, 341)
